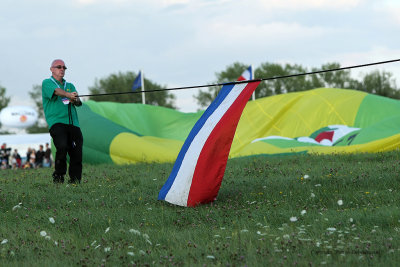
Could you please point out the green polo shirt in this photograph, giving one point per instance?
(56, 108)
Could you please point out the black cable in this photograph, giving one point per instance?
(249, 81)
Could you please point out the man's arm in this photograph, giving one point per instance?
(73, 96)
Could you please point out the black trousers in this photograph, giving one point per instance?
(67, 139)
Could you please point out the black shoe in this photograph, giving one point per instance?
(74, 181)
(58, 179)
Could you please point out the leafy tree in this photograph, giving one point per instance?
(333, 79)
(4, 101)
(380, 83)
(36, 96)
(232, 73)
(122, 82)
(280, 86)
(40, 126)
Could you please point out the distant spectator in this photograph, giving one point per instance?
(27, 165)
(39, 156)
(4, 165)
(32, 158)
(4, 155)
(15, 159)
(28, 155)
(47, 156)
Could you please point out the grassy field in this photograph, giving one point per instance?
(293, 210)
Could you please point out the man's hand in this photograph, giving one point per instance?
(73, 96)
(75, 100)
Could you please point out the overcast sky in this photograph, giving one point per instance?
(185, 42)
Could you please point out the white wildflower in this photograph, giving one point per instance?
(130, 253)
(56, 243)
(312, 195)
(293, 219)
(51, 219)
(317, 185)
(47, 237)
(303, 212)
(108, 229)
(306, 176)
(331, 229)
(142, 252)
(136, 232)
(351, 220)
(340, 202)
(145, 236)
(4, 241)
(210, 257)
(43, 233)
(17, 206)
(286, 236)
(107, 249)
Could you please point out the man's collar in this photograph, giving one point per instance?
(62, 81)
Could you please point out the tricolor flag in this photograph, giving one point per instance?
(246, 75)
(199, 168)
(137, 83)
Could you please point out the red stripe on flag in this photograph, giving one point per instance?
(212, 160)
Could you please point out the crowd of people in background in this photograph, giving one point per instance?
(34, 158)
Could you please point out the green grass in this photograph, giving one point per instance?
(114, 219)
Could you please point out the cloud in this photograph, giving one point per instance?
(276, 31)
(86, 2)
(310, 4)
(159, 3)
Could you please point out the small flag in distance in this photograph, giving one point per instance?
(137, 83)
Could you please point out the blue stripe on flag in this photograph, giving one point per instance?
(251, 73)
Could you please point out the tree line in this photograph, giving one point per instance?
(376, 82)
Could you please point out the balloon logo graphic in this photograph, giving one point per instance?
(23, 118)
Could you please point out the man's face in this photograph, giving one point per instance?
(58, 69)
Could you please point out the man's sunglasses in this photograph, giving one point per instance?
(60, 67)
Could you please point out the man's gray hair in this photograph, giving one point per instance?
(54, 61)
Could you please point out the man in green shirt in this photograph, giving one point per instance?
(59, 101)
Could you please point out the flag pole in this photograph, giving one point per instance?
(253, 96)
(142, 82)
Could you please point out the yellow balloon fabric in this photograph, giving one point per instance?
(323, 120)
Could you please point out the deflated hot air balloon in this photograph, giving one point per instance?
(322, 120)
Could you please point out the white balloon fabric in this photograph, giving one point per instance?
(18, 116)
